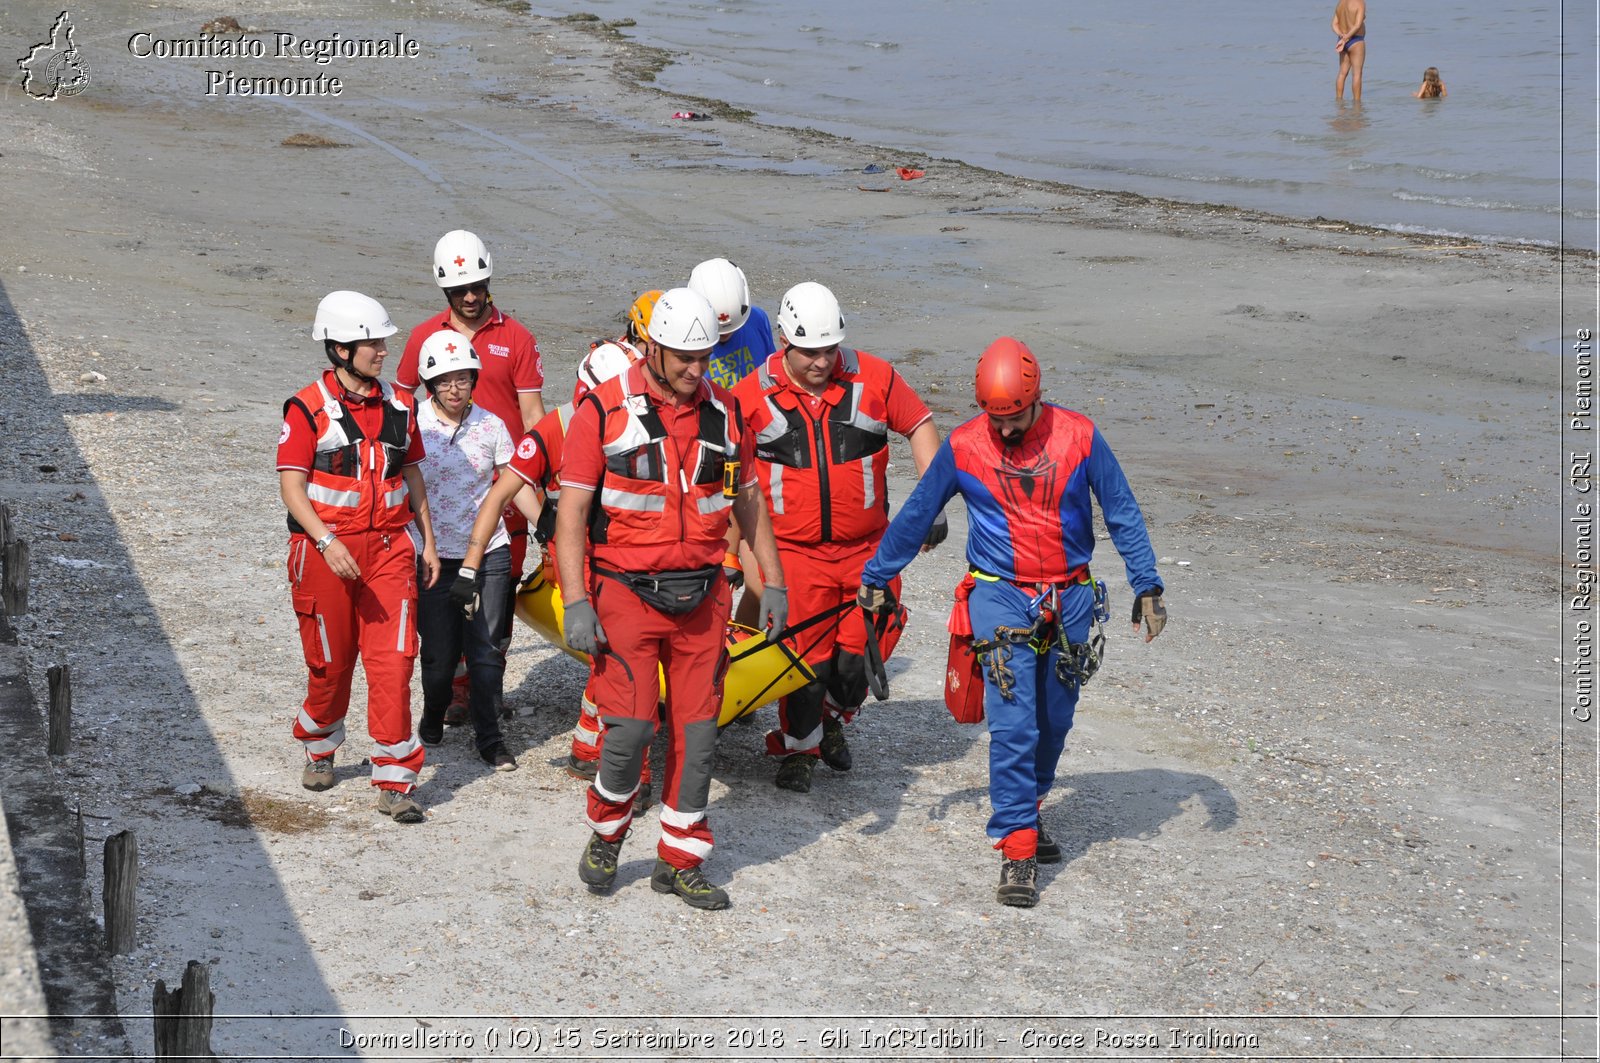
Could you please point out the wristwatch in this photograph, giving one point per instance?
(322, 543)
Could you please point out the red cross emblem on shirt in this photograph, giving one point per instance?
(460, 262)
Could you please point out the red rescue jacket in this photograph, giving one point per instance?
(355, 483)
(825, 478)
(648, 495)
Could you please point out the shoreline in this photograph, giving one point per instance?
(637, 65)
(1287, 808)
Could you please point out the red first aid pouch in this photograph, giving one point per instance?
(963, 682)
(963, 675)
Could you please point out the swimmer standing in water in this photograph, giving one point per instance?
(1350, 24)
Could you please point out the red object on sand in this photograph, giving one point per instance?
(908, 174)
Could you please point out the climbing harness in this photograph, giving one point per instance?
(1076, 662)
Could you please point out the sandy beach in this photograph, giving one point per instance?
(1338, 809)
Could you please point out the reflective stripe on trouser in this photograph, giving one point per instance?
(800, 718)
(691, 649)
(588, 736)
(1027, 733)
(609, 808)
(685, 837)
(374, 617)
(517, 529)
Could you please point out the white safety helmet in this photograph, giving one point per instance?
(460, 258)
(684, 320)
(605, 362)
(724, 284)
(445, 352)
(348, 317)
(810, 318)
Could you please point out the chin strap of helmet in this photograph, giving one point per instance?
(348, 364)
(655, 348)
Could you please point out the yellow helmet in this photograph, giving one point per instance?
(639, 314)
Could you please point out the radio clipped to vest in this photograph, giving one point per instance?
(730, 479)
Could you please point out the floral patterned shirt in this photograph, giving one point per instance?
(458, 470)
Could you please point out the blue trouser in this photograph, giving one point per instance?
(445, 633)
(1028, 732)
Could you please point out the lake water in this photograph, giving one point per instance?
(1229, 102)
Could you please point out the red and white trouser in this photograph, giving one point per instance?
(374, 616)
(589, 735)
(691, 648)
(823, 576)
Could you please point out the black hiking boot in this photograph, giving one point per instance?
(795, 772)
(1049, 849)
(835, 750)
(598, 866)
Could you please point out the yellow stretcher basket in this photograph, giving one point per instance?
(759, 672)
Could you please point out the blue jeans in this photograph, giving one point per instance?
(445, 633)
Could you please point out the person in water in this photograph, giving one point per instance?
(1350, 25)
(1431, 88)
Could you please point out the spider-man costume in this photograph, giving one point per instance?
(1030, 528)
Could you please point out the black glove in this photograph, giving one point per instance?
(732, 571)
(879, 601)
(774, 614)
(1149, 608)
(582, 628)
(938, 533)
(464, 592)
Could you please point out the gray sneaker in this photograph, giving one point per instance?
(402, 808)
(318, 775)
(1019, 883)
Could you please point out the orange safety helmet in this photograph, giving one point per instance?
(639, 314)
(1008, 378)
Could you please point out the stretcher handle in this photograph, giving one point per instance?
(877, 675)
(795, 661)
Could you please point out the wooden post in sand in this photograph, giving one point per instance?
(122, 884)
(7, 634)
(60, 709)
(14, 586)
(183, 1018)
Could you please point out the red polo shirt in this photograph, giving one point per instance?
(512, 365)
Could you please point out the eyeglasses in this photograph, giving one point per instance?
(481, 288)
(452, 385)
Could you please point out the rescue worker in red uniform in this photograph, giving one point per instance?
(821, 415)
(1030, 472)
(536, 465)
(664, 453)
(510, 385)
(348, 472)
